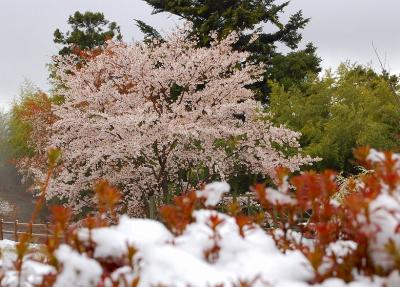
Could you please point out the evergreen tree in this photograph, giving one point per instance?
(88, 30)
(291, 70)
(246, 16)
(225, 16)
(148, 31)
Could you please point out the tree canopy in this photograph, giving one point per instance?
(340, 111)
(159, 119)
(226, 16)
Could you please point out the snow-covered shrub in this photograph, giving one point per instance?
(312, 240)
(367, 220)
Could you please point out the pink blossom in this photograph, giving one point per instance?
(121, 120)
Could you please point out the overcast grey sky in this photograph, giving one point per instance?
(341, 29)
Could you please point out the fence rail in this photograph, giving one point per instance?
(40, 232)
(13, 229)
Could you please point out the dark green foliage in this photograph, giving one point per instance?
(339, 112)
(88, 30)
(148, 31)
(225, 16)
(245, 17)
(292, 69)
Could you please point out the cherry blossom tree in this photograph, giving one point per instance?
(152, 118)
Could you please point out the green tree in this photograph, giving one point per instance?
(292, 70)
(340, 111)
(148, 31)
(247, 16)
(26, 122)
(88, 30)
(226, 16)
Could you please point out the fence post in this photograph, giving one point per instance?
(16, 230)
(1, 229)
(30, 229)
(47, 231)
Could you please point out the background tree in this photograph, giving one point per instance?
(27, 129)
(87, 35)
(149, 32)
(15, 202)
(88, 31)
(340, 111)
(247, 16)
(293, 69)
(155, 119)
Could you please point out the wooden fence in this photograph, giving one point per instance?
(40, 232)
(12, 230)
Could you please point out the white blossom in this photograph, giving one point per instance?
(143, 116)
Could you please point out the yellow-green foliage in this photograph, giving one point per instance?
(339, 111)
(19, 128)
(31, 105)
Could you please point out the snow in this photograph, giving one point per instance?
(249, 255)
(114, 241)
(31, 273)
(278, 197)
(78, 270)
(175, 267)
(182, 262)
(375, 156)
(168, 260)
(143, 231)
(163, 259)
(341, 248)
(214, 192)
(385, 218)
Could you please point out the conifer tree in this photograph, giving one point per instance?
(88, 30)
(246, 16)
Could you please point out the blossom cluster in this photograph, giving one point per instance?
(151, 118)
